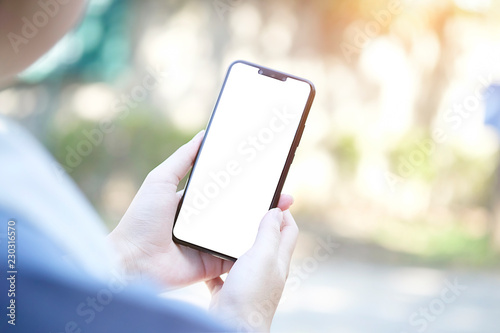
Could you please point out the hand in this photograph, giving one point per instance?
(143, 238)
(248, 299)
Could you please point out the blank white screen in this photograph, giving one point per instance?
(241, 161)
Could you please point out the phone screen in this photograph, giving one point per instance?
(242, 158)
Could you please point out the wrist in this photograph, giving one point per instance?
(241, 318)
(124, 252)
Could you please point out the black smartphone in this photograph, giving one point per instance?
(242, 163)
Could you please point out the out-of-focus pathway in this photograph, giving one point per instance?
(342, 296)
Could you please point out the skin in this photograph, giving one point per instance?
(249, 296)
(143, 238)
(11, 21)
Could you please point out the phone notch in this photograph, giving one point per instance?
(273, 74)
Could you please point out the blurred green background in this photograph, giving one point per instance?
(371, 170)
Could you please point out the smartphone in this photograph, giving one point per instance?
(243, 160)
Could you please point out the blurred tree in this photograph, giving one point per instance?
(492, 118)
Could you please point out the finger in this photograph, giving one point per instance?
(268, 235)
(286, 200)
(174, 168)
(289, 234)
(219, 266)
(180, 193)
(227, 265)
(214, 285)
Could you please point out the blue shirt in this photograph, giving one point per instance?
(64, 277)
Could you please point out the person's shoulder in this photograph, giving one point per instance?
(34, 185)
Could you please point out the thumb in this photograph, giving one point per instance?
(269, 235)
(174, 168)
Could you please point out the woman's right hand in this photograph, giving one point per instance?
(248, 298)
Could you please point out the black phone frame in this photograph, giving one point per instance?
(291, 154)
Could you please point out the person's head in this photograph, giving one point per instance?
(29, 28)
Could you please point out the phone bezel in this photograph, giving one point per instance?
(286, 167)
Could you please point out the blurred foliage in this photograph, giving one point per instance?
(137, 145)
(347, 155)
(413, 152)
(437, 244)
